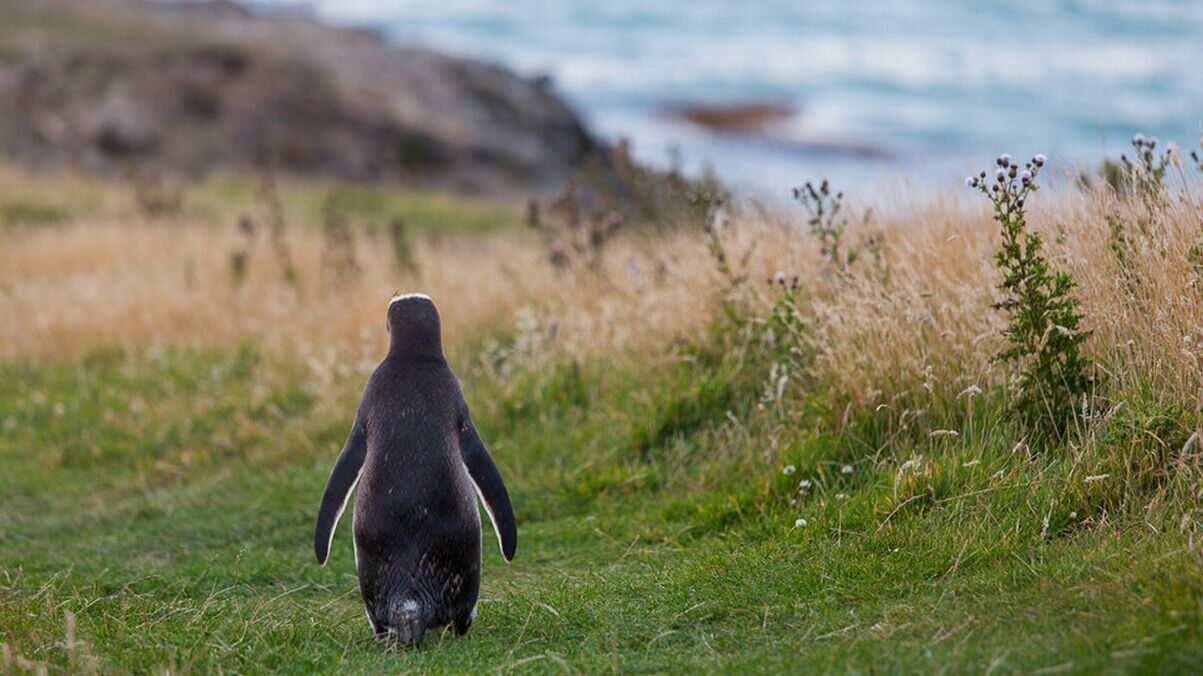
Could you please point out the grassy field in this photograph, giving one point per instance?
(692, 489)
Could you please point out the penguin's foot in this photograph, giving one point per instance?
(462, 625)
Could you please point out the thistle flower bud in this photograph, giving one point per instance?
(780, 277)
(1026, 177)
(1013, 171)
(1152, 142)
(1019, 203)
(1004, 160)
(1138, 139)
(971, 182)
(1040, 159)
(1000, 175)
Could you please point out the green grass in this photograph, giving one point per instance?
(28, 200)
(162, 503)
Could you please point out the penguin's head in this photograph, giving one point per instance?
(413, 326)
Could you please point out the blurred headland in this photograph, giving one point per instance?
(109, 86)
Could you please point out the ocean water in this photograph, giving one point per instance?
(933, 88)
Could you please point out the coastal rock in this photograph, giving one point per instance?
(196, 87)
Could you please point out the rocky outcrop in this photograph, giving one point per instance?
(201, 86)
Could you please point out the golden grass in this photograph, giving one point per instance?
(70, 289)
(934, 321)
(93, 284)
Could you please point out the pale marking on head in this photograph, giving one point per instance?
(410, 606)
(406, 296)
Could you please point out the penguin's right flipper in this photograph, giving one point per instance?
(342, 481)
(489, 484)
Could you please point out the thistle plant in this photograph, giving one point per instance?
(827, 223)
(582, 234)
(783, 337)
(269, 195)
(1146, 175)
(1148, 171)
(241, 254)
(1043, 333)
(339, 239)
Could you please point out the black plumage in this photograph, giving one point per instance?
(418, 463)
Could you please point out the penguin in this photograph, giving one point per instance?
(417, 465)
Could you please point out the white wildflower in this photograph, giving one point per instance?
(789, 469)
(971, 391)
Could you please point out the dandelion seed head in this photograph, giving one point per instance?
(846, 469)
(800, 523)
(789, 469)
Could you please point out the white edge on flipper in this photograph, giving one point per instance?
(492, 519)
(338, 517)
(404, 296)
(355, 548)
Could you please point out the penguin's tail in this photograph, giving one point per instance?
(405, 619)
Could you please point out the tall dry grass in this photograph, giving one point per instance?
(934, 322)
(93, 283)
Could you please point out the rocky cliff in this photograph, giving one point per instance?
(193, 87)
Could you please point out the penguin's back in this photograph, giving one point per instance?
(413, 474)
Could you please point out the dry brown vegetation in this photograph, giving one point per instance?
(92, 283)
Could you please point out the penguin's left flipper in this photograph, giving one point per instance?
(488, 484)
(342, 481)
